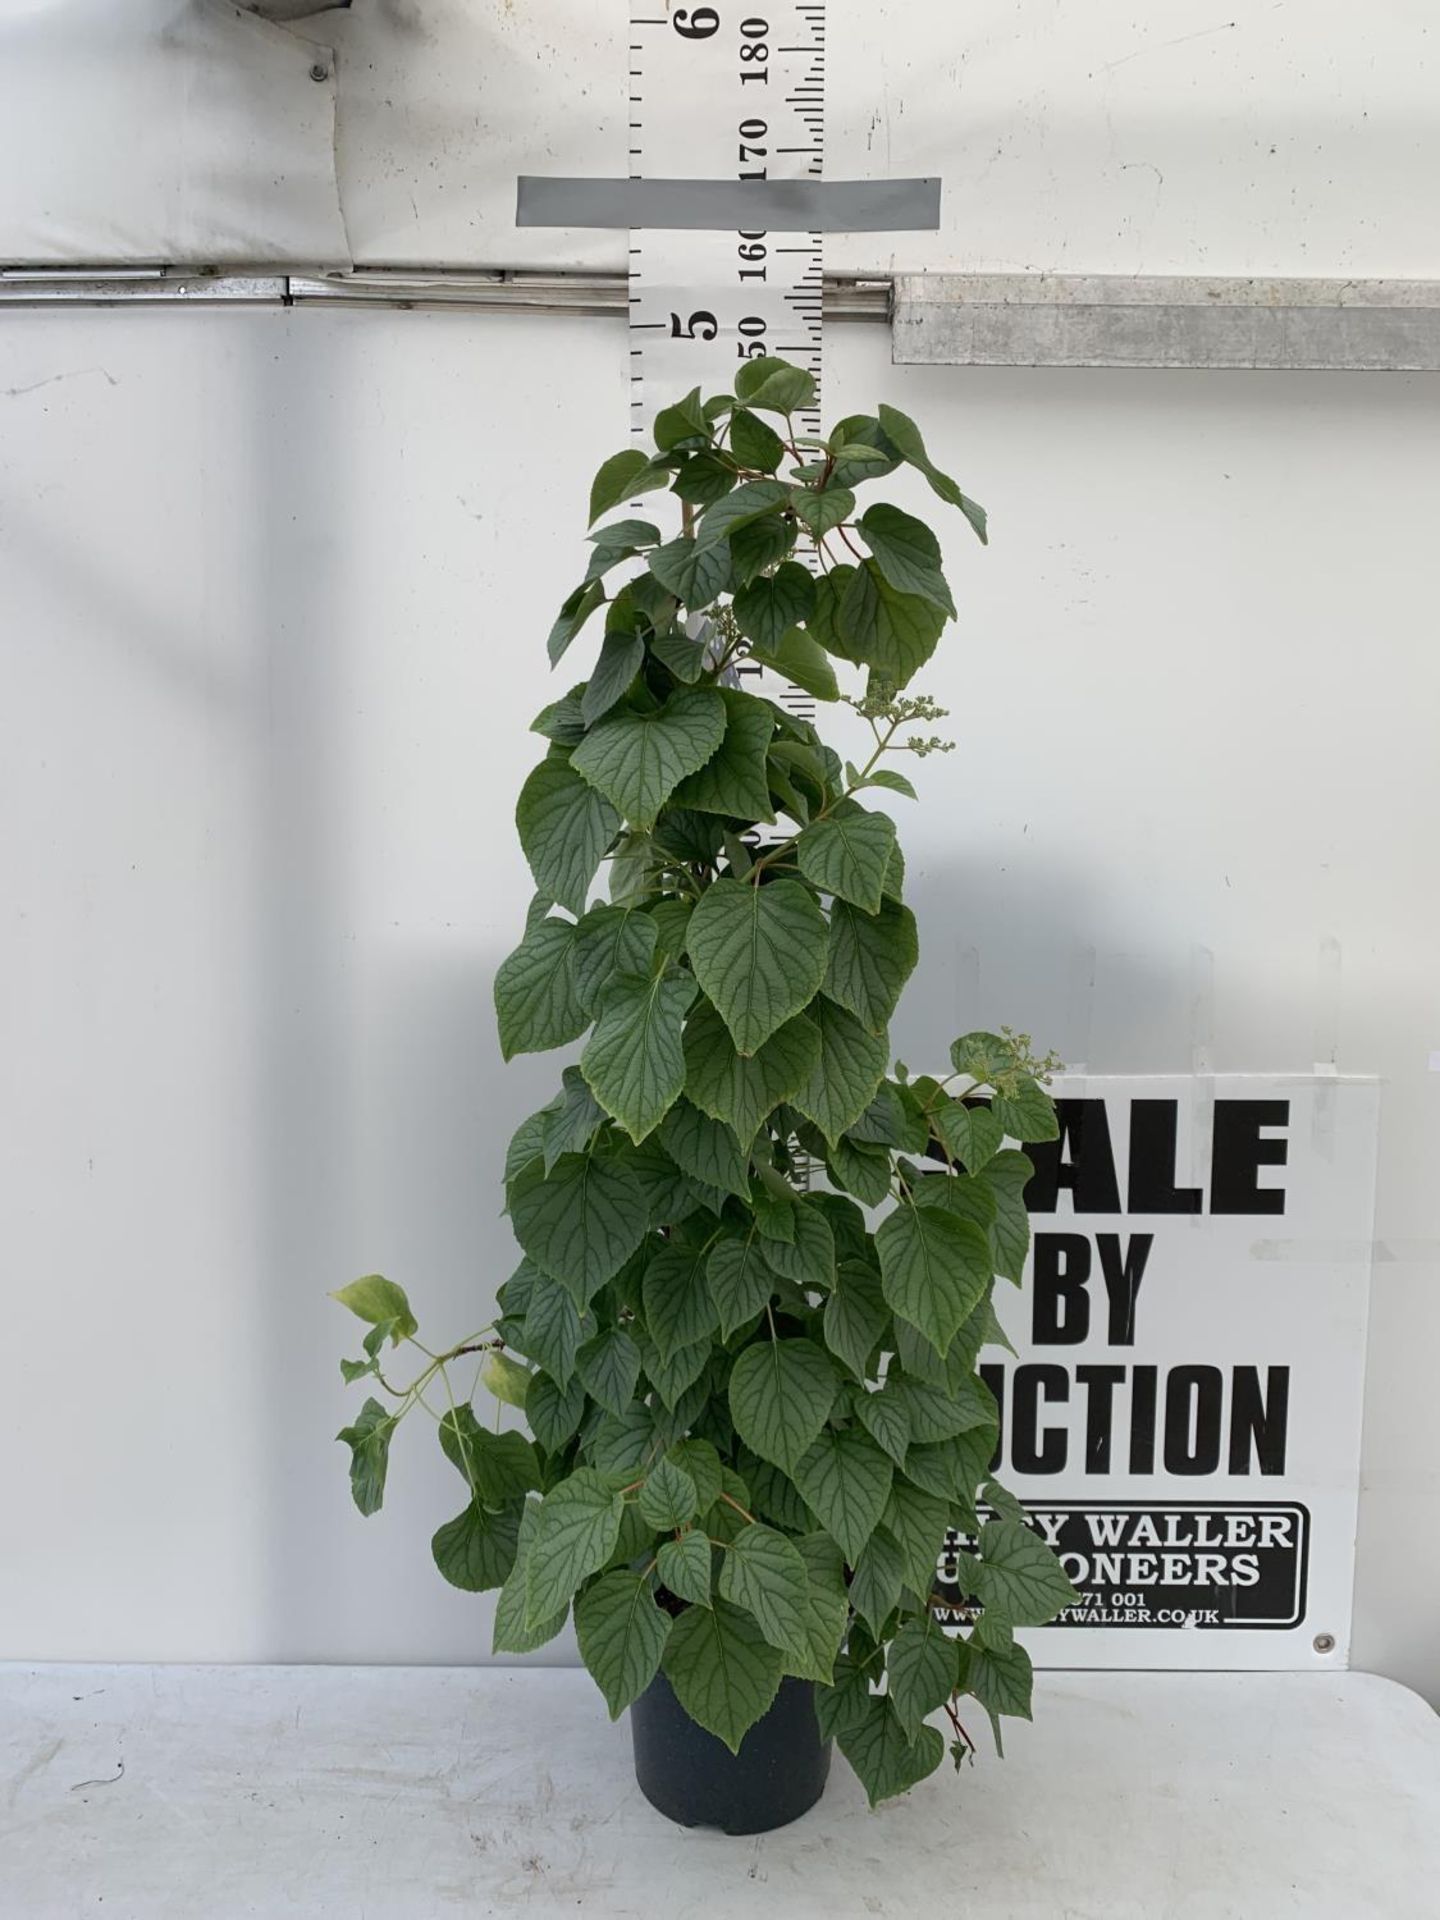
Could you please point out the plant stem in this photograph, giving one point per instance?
(958, 1725)
(460, 1440)
(472, 1343)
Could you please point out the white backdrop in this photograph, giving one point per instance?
(262, 705)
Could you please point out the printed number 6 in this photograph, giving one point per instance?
(698, 25)
(706, 322)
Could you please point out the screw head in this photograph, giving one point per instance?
(319, 71)
(1324, 1643)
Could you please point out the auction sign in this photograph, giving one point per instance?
(1181, 1417)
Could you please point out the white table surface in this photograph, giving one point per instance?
(377, 1793)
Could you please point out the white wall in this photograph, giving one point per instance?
(263, 692)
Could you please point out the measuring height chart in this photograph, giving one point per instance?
(1182, 1415)
(727, 92)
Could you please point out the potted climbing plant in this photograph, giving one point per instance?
(757, 1261)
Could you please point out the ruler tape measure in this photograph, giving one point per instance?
(734, 91)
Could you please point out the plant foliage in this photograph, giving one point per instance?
(758, 1265)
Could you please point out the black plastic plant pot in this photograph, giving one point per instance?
(694, 1779)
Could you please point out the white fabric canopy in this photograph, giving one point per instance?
(1288, 137)
(159, 131)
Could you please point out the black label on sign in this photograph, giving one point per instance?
(1180, 1565)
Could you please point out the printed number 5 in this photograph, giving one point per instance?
(704, 322)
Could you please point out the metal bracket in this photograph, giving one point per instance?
(1098, 320)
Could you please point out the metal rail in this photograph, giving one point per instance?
(938, 319)
(408, 289)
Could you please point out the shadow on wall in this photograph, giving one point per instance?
(995, 950)
(1019, 948)
(385, 1105)
(306, 1098)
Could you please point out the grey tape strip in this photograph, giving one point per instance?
(720, 206)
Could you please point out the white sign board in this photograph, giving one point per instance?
(1182, 1415)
